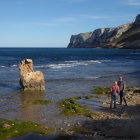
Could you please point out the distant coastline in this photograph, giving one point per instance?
(126, 36)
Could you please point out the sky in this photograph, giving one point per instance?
(50, 23)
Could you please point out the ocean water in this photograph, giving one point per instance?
(68, 73)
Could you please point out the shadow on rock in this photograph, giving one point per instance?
(117, 128)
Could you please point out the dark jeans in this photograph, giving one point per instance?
(122, 97)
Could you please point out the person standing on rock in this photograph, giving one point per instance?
(114, 94)
(122, 87)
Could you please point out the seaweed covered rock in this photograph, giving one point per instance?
(29, 79)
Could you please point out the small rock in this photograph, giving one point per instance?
(7, 126)
(61, 128)
(125, 114)
(68, 125)
(78, 123)
(16, 131)
(46, 127)
(71, 132)
(95, 133)
(107, 117)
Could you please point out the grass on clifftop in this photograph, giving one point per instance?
(101, 90)
(70, 107)
(9, 128)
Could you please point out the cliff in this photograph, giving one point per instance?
(124, 36)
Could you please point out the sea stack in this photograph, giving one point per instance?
(29, 79)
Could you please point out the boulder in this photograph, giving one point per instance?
(29, 79)
(6, 126)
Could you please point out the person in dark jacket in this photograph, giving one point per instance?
(122, 87)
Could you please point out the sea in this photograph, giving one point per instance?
(69, 72)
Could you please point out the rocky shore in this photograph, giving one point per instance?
(107, 124)
(113, 124)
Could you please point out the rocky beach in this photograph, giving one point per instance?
(113, 124)
(107, 124)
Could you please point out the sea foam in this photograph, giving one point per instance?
(69, 64)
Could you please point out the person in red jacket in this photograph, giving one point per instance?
(114, 94)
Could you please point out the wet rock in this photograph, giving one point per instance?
(95, 133)
(65, 121)
(78, 123)
(71, 132)
(6, 126)
(125, 115)
(29, 79)
(68, 125)
(16, 131)
(45, 127)
(61, 129)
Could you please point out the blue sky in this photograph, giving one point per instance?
(50, 23)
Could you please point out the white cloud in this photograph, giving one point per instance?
(130, 2)
(68, 19)
(45, 24)
(95, 17)
(78, 19)
(53, 22)
(11, 2)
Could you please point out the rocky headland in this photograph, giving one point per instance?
(126, 36)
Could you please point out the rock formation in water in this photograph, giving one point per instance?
(29, 79)
(124, 36)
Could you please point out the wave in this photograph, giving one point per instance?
(69, 64)
(65, 64)
(71, 79)
(59, 66)
(13, 66)
(91, 77)
(8, 66)
(2, 66)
